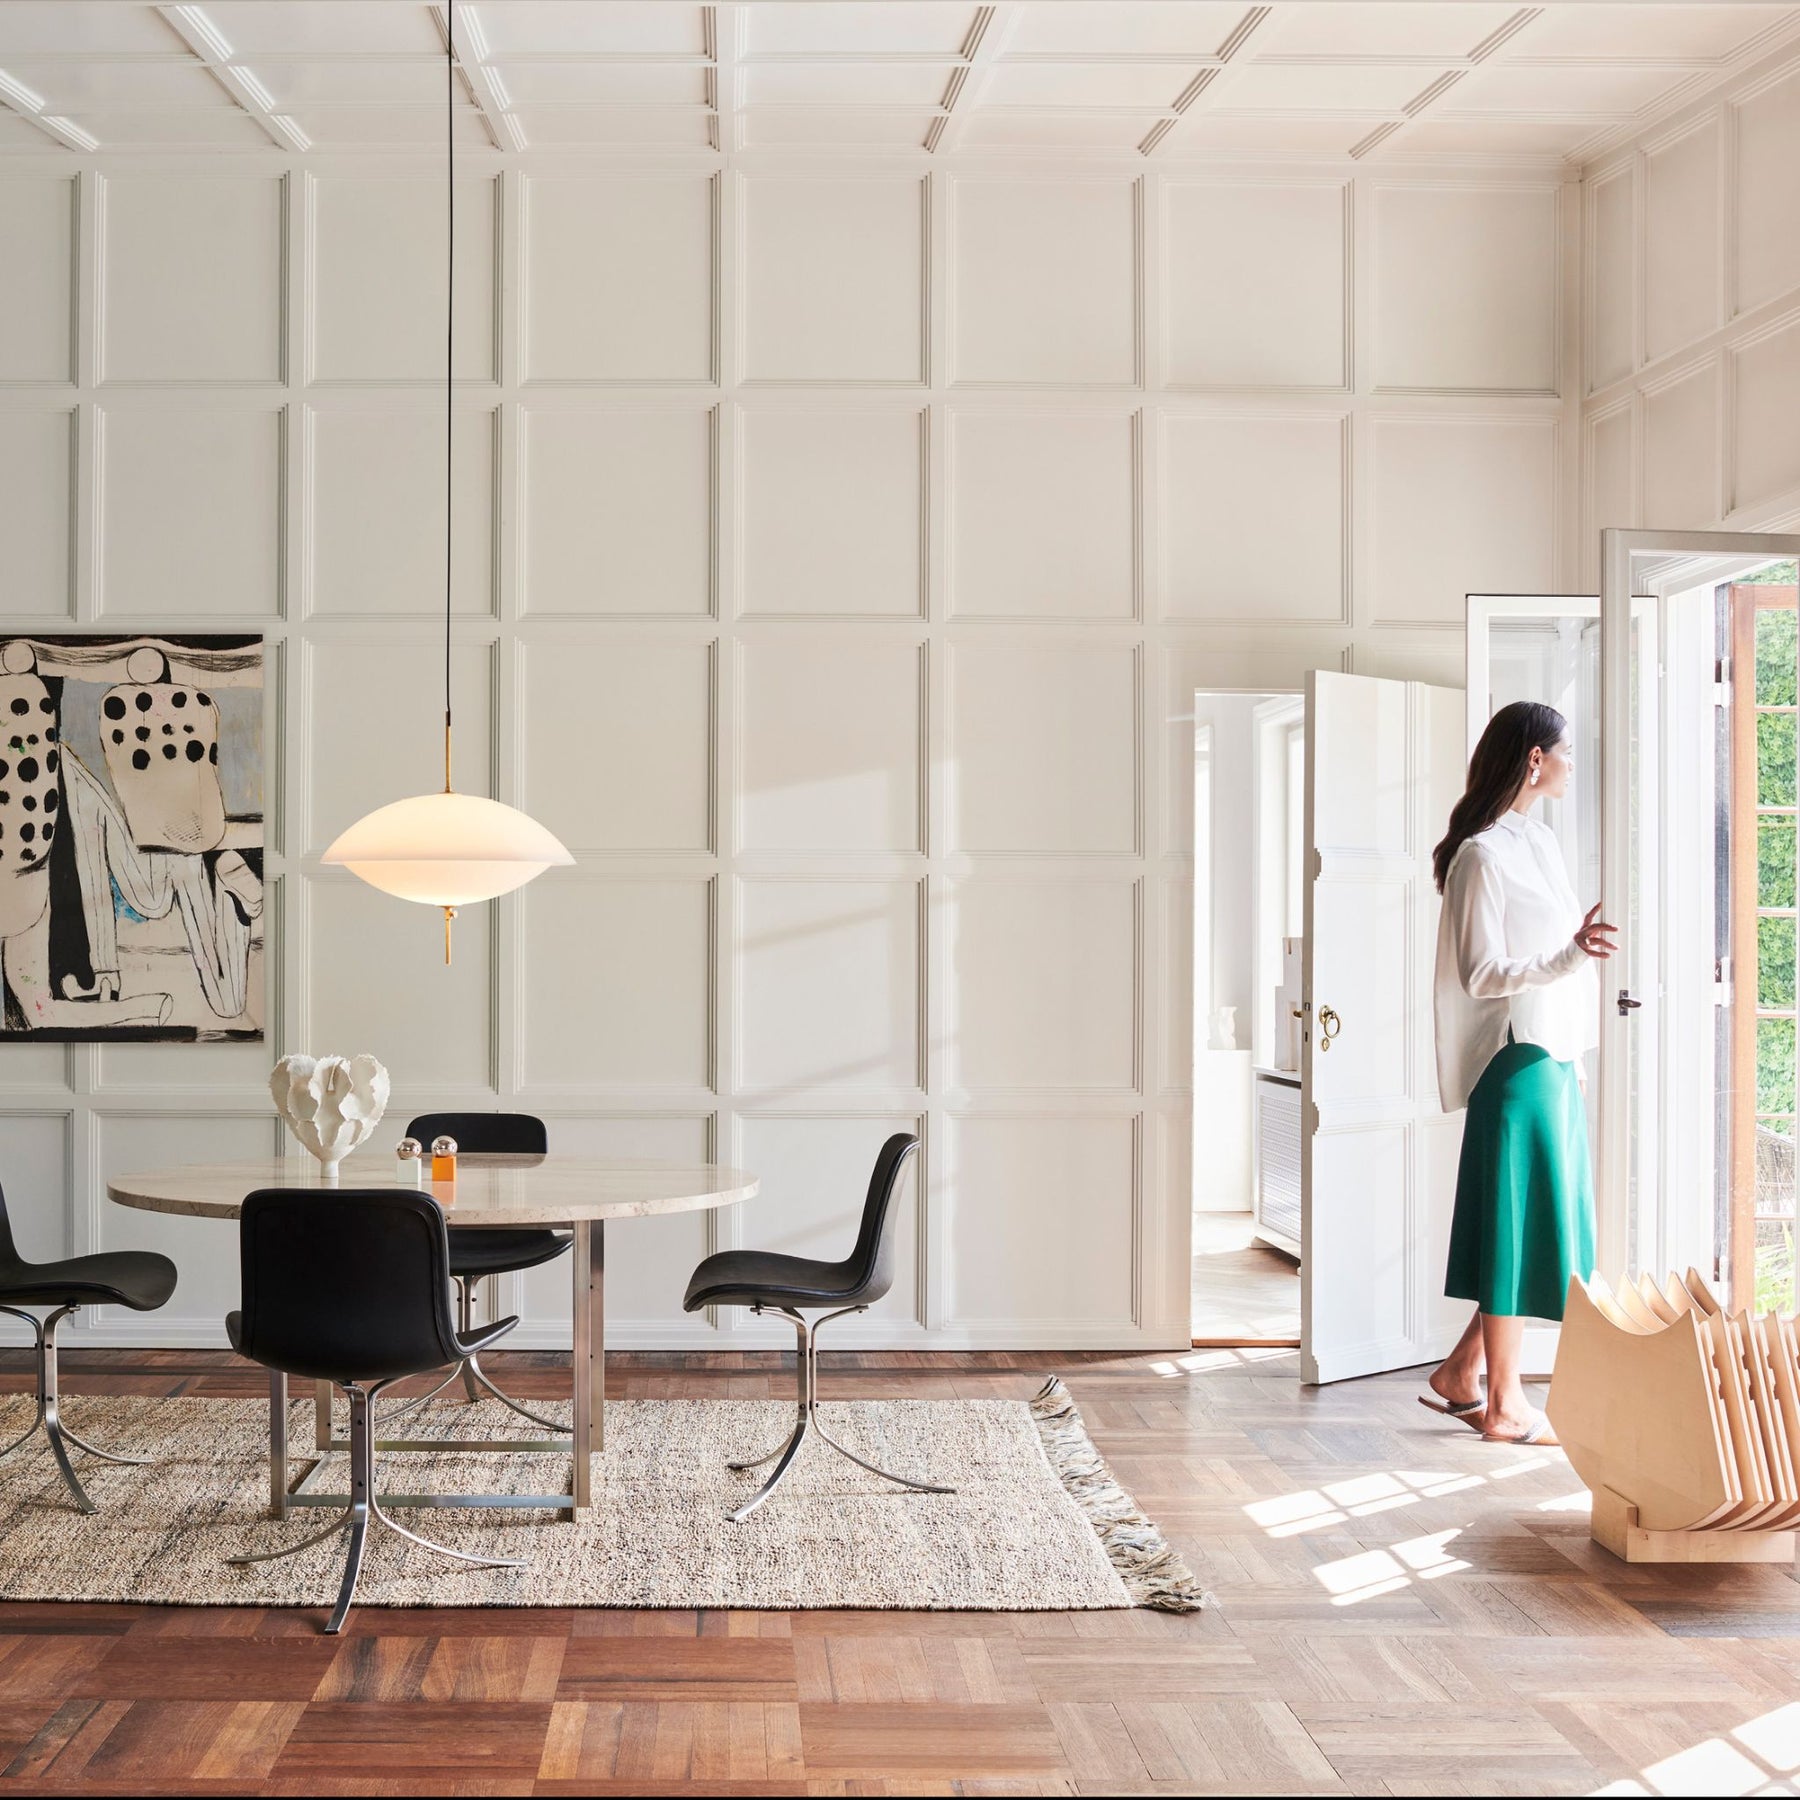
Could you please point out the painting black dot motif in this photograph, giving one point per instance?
(131, 837)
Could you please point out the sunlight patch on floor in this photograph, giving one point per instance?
(1370, 1573)
(1311, 1509)
(1766, 1749)
(1201, 1360)
(1570, 1503)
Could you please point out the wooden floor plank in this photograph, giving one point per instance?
(207, 1668)
(416, 1740)
(947, 1741)
(668, 1668)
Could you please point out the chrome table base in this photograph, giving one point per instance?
(587, 1434)
(362, 1507)
(806, 1361)
(49, 1407)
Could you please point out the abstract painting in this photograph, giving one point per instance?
(131, 837)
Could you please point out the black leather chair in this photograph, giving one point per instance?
(352, 1288)
(139, 1279)
(475, 1255)
(766, 1281)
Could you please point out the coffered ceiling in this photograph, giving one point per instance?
(1166, 79)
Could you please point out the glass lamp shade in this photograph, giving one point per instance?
(446, 849)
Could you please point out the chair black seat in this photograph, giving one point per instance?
(139, 1279)
(476, 1253)
(767, 1278)
(380, 1367)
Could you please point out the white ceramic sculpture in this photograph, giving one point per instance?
(330, 1103)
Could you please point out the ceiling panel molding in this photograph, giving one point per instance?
(1472, 81)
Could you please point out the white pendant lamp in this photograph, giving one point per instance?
(449, 849)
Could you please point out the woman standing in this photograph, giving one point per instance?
(1516, 1006)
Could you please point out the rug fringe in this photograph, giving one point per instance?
(1153, 1574)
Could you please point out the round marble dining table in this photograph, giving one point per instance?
(573, 1193)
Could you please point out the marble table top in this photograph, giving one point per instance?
(488, 1190)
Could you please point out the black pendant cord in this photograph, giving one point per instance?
(449, 350)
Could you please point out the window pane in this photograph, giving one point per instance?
(1774, 1065)
(1775, 759)
(1775, 862)
(1775, 963)
(1774, 1267)
(1775, 635)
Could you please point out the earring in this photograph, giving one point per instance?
(1534, 777)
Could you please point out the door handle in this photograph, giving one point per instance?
(1627, 1005)
(1329, 1026)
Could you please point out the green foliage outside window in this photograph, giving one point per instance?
(1775, 964)
(1777, 784)
(1775, 646)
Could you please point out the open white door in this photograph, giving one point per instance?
(1384, 765)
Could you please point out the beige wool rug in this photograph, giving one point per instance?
(1036, 1523)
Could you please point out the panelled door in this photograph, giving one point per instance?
(1384, 765)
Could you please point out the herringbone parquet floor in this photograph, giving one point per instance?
(1403, 1610)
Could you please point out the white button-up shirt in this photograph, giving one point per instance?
(1507, 957)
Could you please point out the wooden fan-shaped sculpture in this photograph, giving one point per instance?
(1683, 1421)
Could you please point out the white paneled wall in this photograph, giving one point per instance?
(1691, 389)
(839, 550)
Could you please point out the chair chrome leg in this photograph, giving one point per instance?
(923, 1487)
(53, 1430)
(473, 1366)
(29, 1431)
(474, 1377)
(789, 1452)
(37, 1342)
(400, 1412)
(803, 1372)
(111, 1456)
(362, 1514)
(808, 1359)
(49, 1407)
(359, 1535)
(742, 1468)
(306, 1543)
(362, 1492)
(481, 1562)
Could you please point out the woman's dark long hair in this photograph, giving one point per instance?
(1497, 771)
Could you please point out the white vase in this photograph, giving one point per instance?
(330, 1103)
(1224, 1029)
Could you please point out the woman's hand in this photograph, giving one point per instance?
(1595, 936)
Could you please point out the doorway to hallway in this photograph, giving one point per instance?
(1249, 763)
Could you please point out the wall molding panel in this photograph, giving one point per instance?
(840, 543)
(1693, 317)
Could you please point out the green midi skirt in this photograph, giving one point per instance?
(1524, 1218)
